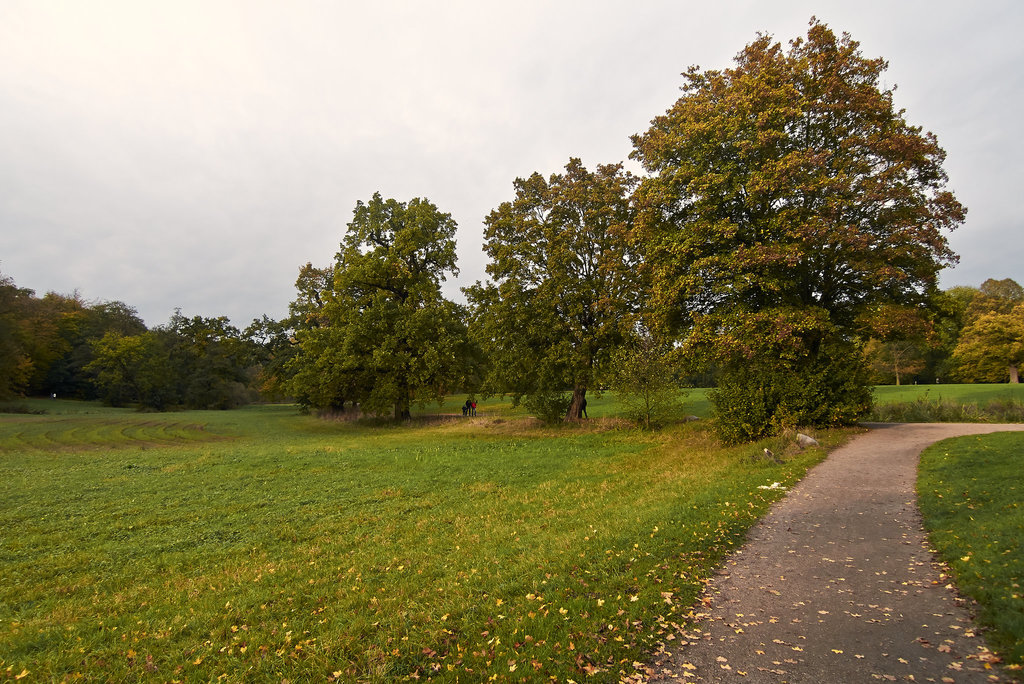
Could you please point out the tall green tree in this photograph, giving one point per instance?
(564, 288)
(209, 359)
(133, 369)
(789, 204)
(995, 296)
(15, 361)
(383, 335)
(79, 325)
(269, 347)
(990, 347)
(949, 316)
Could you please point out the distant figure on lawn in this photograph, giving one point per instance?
(466, 407)
(472, 408)
(583, 408)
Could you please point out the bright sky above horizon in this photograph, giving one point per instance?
(195, 154)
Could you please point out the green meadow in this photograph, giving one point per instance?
(259, 544)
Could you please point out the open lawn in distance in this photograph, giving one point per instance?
(976, 393)
(983, 403)
(259, 544)
(971, 495)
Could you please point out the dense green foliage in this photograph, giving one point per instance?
(384, 336)
(191, 362)
(971, 494)
(62, 345)
(565, 289)
(265, 545)
(764, 397)
(47, 342)
(991, 344)
(790, 212)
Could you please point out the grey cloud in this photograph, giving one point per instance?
(195, 154)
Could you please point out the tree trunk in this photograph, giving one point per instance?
(1014, 377)
(402, 404)
(578, 404)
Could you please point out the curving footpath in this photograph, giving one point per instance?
(837, 584)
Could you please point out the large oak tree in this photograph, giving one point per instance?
(789, 204)
(381, 334)
(564, 282)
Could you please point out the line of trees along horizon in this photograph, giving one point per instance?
(783, 246)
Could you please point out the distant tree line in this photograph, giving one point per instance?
(971, 334)
(783, 246)
(65, 346)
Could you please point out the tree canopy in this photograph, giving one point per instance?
(789, 204)
(990, 347)
(377, 330)
(564, 286)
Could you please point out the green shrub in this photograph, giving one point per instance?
(766, 397)
(548, 405)
(1005, 410)
(925, 410)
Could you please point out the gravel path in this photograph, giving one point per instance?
(836, 584)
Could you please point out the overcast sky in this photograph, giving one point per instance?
(196, 154)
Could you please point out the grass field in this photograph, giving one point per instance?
(971, 494)
(259, 545)
(973, 394)
(995, 403)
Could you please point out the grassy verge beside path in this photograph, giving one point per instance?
(262, 545)
(971, 494)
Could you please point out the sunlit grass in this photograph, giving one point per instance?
(278, 546)
(972, 497)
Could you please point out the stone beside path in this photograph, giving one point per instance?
(837, 584)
